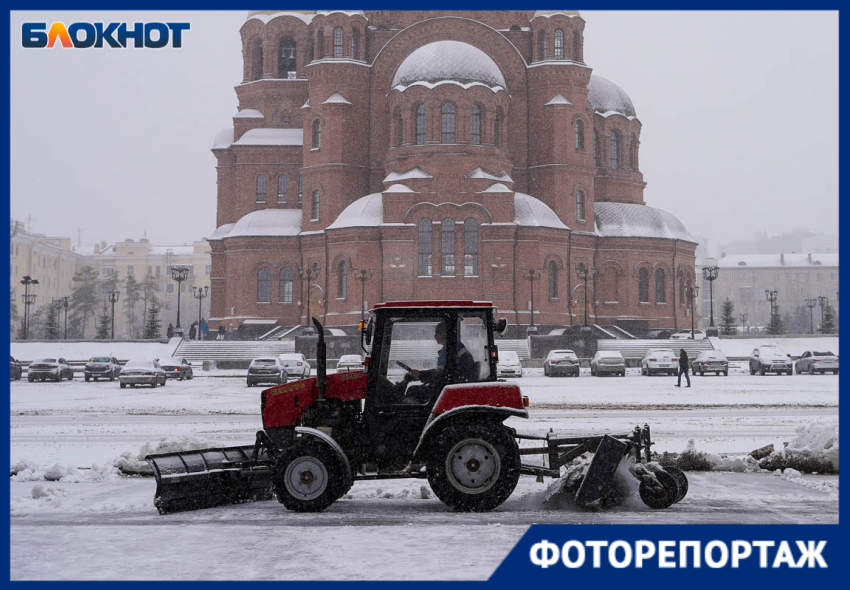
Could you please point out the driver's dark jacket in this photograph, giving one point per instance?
(464, 369)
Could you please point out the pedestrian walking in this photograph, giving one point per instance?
(170, 331)
(192, 330)
(683, 368)
(205, 329)
(222, 332)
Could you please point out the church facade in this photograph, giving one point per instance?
(461, 155)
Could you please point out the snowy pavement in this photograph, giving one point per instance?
(96, 524)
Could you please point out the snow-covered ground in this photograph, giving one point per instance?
(74, 517)
(80, 351)
(742, 347)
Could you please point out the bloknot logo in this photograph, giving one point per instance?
(83, 35)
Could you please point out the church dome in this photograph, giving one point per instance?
(548, 13)
(451, 61)
(630, 220)
(604, 96)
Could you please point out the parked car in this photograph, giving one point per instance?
(659, 361)
(509, 364)
(141, 372)
(102, 367)
(296, 365)
(770, 359)
(608, 361)
(561, 362)
(349, 362)
(267, 370)
(812, 362)
(710, 361)
(54, 369)
(176, 367)
(686, 335)
(15, 369)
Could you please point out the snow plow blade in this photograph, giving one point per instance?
(191, 480)
(600, 474)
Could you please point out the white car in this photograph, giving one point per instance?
(267, 370)
(710, 361)
(659, 361)
(812, 362)
(561, 362)
(296, 365)
(349, 362)
(768, 358)
(608, 361)
(509, 365)
(141, 372)
(686, 335)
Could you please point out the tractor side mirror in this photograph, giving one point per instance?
(366, 336)
(501, 326)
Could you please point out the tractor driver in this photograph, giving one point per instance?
(430, 378)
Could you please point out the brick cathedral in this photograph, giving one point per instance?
(447, 155)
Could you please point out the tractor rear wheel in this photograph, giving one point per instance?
(308, 477)
(473, 467)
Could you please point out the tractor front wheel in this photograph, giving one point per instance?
(662, 494)
(474, 467)
(308, 477)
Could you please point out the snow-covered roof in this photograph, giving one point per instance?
(412, 173)
(399, 188)
(479, 172)
(345, 12)
(182, 250)
(771, 260)
(604, 96)
(366, 211)
(221, 231)
(249, 114)
(223, 139)
(306, 104)
(448, 61)
(267, 222)
(266, 15)
(531, 212)
(629, 220)
(548, 13)
(336, 98)
(558, 99)
(497, 187)
(272, 137)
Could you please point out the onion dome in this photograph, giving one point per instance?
(604, 97)
(449, 61)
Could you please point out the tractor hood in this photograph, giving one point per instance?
(283, 405)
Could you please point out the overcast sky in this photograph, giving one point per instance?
(739, 114)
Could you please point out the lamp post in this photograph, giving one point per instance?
(310, 274)
(179, 274)
(199, 294)
(64, 302)
(822, 301)
(811, 304)
(532, 275)
(772, 296)
(693, 294)
(113, 297)
(362, 277)
(709, 273)
(28, 299)
(743, 322)
(583, 273)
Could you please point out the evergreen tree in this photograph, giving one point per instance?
(800, 322)
(36, 322)
(828, 324)
(84, 298)
(149, 289)
(153, 325)
(132, 294)
(103, 323)
(51, 323)
(775, 327)
(727, 319)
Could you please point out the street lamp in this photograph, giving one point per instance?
(179, 274)
(583, 273)
(772, 296)
(113, 297)
(709, 273)
(811, 304)
(29, 299)
(362, 278)
(822, 301)
(743, 322)
(63, 302)
(531, 276)
(310, 274)
(199, 294)
(693, 293)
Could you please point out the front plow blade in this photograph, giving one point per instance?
(600, 475)
(191, 480)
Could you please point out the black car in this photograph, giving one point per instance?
(102, 367)
(15, 369)
(176, 368)
(267, 370)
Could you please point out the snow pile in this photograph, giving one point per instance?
(815, 450)
(39, 492)
(25, 470)
(692, 459)
(134, 464)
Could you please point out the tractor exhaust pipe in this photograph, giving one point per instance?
(321, 360)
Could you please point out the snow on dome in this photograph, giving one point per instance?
(272, 137)
(223, 139)
(629, 220)
(267, 222)
(221, 231)
(449, 61)
(411, 174)
(249, 114)
(399, 188)
(605, 96)
(548, 13)
(366, 211)
(531, 212)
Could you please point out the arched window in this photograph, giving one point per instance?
(559, 44)
(421, 124)
(596, 148)
(399, 128)
(614, 149)
(261, 189)
(633, 154)
(579, 134)
(317, 134)
(281, 189)
(320, 41)
(470, 248)
(475, 125)
(643, 285)
(580, 206)
(285, 292)
(264, 285)
(447, 123)
(256, 59)
(660, 286)
(447, 246)
(425, 247)
(300, 190)
(576, 45)
(553, 279)
(681, 290)
(286, 58)
(497, 128)
(314, 214)
(542, 41)
(355, 42)
(342, 280)
(338, 42)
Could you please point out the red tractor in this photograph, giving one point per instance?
(427, 406)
